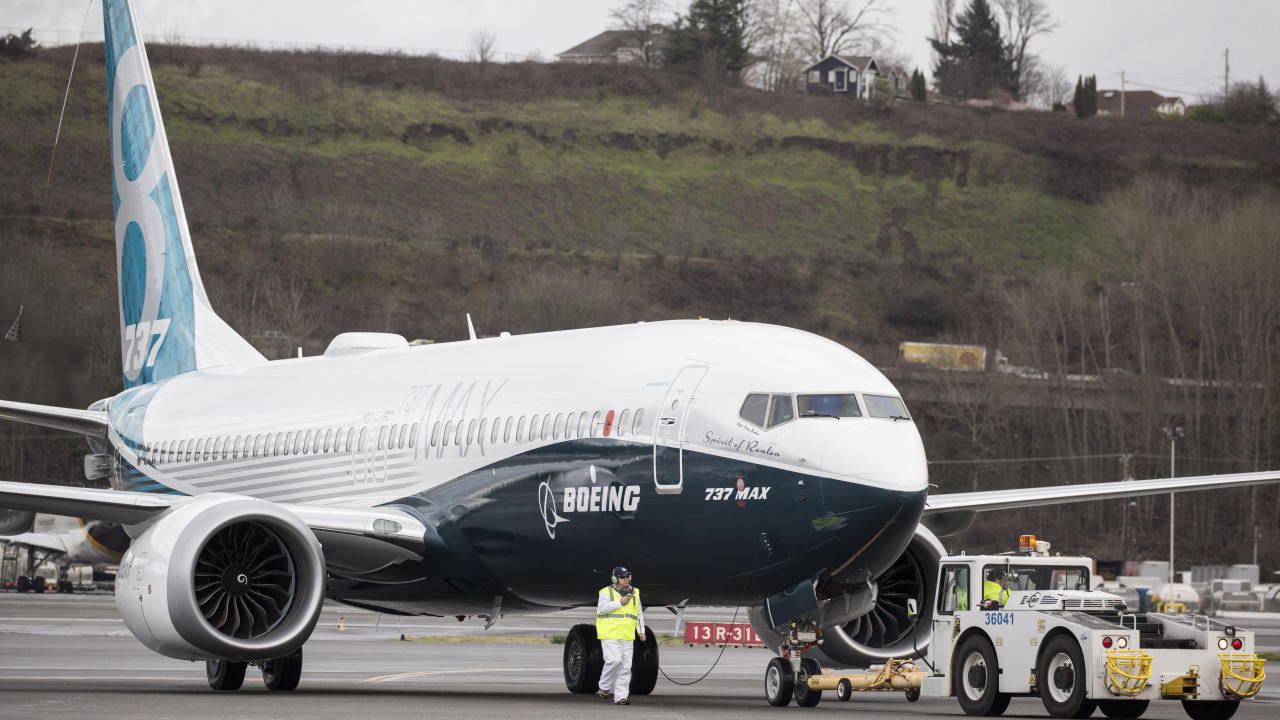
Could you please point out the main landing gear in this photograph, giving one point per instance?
(583, 661)
(281, 673)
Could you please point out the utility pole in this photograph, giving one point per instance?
(1173, 436)
(1121, 93)
(1226, 75)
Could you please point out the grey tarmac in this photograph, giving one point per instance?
(71, 656)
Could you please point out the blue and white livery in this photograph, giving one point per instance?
(723, 462)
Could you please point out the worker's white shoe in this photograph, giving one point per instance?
(604, 693)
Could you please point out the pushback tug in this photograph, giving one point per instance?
(1041, 631)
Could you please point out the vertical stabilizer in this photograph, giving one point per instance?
(167, 326)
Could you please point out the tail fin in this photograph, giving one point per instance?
(167, 326)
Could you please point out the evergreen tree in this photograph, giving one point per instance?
(918, 92)
(1086, 97)
(977, 62)
(712, 33)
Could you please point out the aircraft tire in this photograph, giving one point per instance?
(804, 695)
(779, 683)
(1210, 709)
(225, 674)
(283, 673)
(644, 664)
(583, 660)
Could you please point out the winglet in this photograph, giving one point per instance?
(471, 328)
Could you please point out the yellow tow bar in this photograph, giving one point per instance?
(893, 675)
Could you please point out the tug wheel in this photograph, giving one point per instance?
(977, 678)
(1062, 677)
(1210, 709)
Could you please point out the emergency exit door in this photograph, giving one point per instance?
(668, 436)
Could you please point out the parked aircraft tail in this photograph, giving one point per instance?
(167, 325)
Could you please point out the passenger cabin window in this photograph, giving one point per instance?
(829, 405)
(638, 424)
(955, 589)
(623, 421)
(885, 406)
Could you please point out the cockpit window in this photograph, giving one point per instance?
(884, 406)
(781, 410)
(832, 405)
(755, 409)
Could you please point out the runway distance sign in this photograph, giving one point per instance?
(714, 633)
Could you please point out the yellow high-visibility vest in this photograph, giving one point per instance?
(993, 591)
(621, 623)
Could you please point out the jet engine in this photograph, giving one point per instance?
(223, 577)
(889, 629)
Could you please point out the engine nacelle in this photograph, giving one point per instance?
(223, 577)
(888, 629)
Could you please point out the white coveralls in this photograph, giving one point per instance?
(617, 653)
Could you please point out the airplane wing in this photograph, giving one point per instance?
(385, 534)
(85, 422)
(951, 513)
(49, 544)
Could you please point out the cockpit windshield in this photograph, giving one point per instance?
(830, 405)
(886, 406)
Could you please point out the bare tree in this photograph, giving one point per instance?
(642, 20)
(832, 27)
(483, 46)
(943, 12)
(1052, 88)
(777, 46)
(1023, 20)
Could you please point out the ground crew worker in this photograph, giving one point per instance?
(994, 588)
(619, 621)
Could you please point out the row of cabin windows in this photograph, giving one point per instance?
(311, 442)
(537, 427)
(394, 437)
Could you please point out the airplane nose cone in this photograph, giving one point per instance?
(885, 453)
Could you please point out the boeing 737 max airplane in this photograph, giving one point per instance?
(726, 463)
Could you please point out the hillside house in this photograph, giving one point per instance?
(620, 47)
(841, 76)
(1138, 104)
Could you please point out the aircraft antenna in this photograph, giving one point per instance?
(71, 74)
(471, 328)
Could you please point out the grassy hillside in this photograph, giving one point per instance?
(383, 175)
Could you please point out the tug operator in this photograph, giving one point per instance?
(619, 621)
(994, 589)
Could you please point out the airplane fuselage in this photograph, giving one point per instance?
(545, 460)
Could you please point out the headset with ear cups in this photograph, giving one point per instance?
(619, 572)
